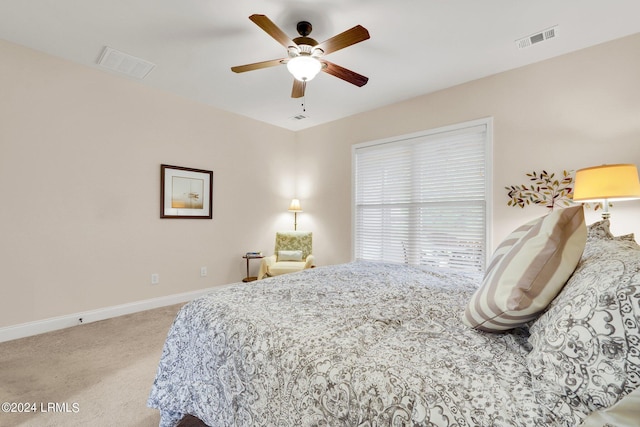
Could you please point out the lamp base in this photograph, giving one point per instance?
(605, 209)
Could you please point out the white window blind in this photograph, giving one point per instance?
(422, 199)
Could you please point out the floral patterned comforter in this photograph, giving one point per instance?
(359, 344)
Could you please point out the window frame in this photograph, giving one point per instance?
(488, 159)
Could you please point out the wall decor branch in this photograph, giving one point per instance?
(544, 189)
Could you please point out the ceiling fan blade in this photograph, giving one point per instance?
(350, 37)
(298, 89)
(257, 65)
(344, 74)
(272, 29)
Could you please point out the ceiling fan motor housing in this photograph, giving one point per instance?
(305, 43)
(308, 41)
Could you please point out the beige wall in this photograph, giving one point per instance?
(80, 152)
(80, 155)
(574, 111)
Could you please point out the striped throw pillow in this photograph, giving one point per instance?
(528, 270)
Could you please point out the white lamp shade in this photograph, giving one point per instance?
(304, 67)
(295, 206)
(610, 182)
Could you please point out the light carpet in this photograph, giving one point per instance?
(97, 374)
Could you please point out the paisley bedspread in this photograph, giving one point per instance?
(359, 344)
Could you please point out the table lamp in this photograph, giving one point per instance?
(606, 183)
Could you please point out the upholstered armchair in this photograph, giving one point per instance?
(292, 253)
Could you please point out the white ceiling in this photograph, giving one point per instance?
(416, 46)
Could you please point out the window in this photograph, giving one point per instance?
(422, 199)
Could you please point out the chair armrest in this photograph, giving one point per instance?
(265, 264)
(309, 262)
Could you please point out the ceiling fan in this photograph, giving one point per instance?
(305, 56)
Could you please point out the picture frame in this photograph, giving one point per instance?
(186, 192)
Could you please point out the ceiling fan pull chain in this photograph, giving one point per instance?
(304, 96)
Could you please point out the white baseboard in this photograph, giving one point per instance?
(22, 330)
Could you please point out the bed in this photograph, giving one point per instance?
(376, 344)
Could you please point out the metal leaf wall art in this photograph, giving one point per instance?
(544, 189)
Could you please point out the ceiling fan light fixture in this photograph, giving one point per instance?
(304, 67)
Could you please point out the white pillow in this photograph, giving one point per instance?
(289, 255)
(528, 270)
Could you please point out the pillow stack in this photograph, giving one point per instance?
(586, 346)
(527, 271)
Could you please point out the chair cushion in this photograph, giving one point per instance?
(285, 267)
(527, 271)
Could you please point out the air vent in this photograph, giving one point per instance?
(299, 117)
(124, 63)
(538, 37)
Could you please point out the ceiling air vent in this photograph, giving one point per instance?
(299, 117)
(538, 37)
(124, 63)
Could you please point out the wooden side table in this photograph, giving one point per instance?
(250, 278)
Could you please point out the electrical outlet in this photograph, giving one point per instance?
(155, 278)
(203, 271)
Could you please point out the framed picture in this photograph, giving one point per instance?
(185, 192)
